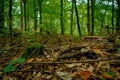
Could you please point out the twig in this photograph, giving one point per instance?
(70, 62)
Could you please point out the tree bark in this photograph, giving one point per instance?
(77, 17)
(118, 18)
(35, 16)
(71, 27)
(10, 21)
(61, 17)
(25, 18)
(92, 16)
(88, 17)
(1, 15)
(113, 16)
(40, 13)
(21, 17)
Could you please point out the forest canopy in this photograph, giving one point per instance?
(78, 17)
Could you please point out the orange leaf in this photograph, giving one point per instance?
(97, 51)
(85, 75)
(30, 60)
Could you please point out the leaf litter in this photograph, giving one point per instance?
(63, 58)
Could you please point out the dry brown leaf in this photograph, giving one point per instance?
(64, 75)
(85, 75)
(30, 60)
(115, 70)
(97, 51)
(53, 78)
(74, 74)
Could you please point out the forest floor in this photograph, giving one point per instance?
(63, 58)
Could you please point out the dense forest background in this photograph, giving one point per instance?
(59, 39)
(74, 17)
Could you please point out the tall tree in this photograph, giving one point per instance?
(77, 17)
(88, 17)
(28, 15)
(21, 17)
(92, 16)
(10, 21)
(71, 24)
(35, 15)
(25, 16)
(40, 13)
(61, 17)
(1, 15)
(118, 17)
(112, 16)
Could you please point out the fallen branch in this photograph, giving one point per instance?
(70, 62)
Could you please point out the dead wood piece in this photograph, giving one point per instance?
(69, 49)
(69, 55)
(70, 62)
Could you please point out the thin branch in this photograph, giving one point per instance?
(70, 62)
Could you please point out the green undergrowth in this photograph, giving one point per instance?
(33, 50)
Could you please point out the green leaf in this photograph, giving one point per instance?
(118, 50)
(9, 68)
(110, 73)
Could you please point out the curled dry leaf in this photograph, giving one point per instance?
(85, 75)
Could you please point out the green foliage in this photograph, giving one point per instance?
(110, 73)
(117, 41)
(33, 50)
(118, 50)
(11, 66)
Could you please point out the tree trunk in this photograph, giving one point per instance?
(61, 17)
(21, 17)
(118, 18)
(35, 16)
(1, 15)
(10, 21)
(25, 18)
(88, 17)
(103, 20)
(113, 16)
(40, 12)
(92, 16)
(77, 17)
(71, 27)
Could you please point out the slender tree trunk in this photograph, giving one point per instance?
(71, 27)
(88, 17)
(28, 22)
(1, 15)
(28, 17)
(77, 17)
(10, 21)
(61, 17)
(25, 18)
(40, 13)
(35, 16)
(113, 16)
(92, 16)
(21, 17)
(118, 18)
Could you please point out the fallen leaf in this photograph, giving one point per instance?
(85, 75)
(64, 75)
(108, 75)
(30, 60)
